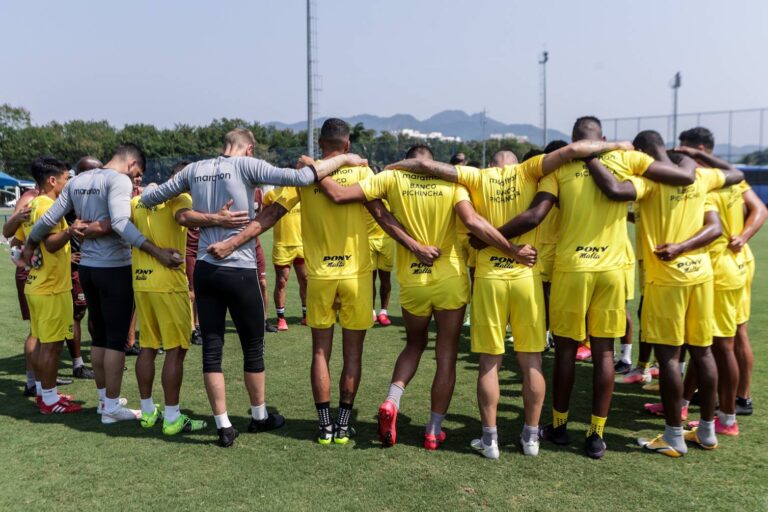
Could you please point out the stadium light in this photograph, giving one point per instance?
(543, 63)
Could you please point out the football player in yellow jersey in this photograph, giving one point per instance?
(163, 309)
(382, 249)
(425, 205)
(506, 292)
(754, 216)
(49, 284)
(287, 251)
(339, 273)
(679, 291)
(589, 282)
(468, 253)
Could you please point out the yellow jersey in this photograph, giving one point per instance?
(548, 231)
(287, 230)
(671, 215)
(55, 273)
(730, 268)
(159, 225)
(749, 257)
(499, 194)
(424, 205)
(335, 236)
(374, 230)
(593, 229)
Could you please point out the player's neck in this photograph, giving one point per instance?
(331, 154)
(49, 193)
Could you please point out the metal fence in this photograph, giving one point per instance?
(737, 132)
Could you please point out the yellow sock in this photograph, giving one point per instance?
(596, 426)
(559, 418)
(644, 364)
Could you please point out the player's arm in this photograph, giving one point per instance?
(579, 149)
(703, 237)
(224, 218)
(540, 206)
(20, 215)
(340, 194)
(266, 218)
(614, 189)
(732, 174)
(45, 224)
(440, 170)
(757, 213)
(55, 241)
(425, 253)
(483, 230)
(95, 229)
(177, 184)
(682, 174)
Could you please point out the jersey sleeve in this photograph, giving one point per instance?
(257, 171)
(531, 169)
(460, 193)
(270, 196)
(743, 186)
(713, 179)
(52, 216)
(182, 202)
(377, 186)
(550, 185)
(288, 198)
(710, 204)
(468, 176)
(638, 162)
(19, 235)
(642, 186)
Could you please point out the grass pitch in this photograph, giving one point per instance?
(74, 463)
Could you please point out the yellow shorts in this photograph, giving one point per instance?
(352, 298)
(598, 297)
(469, 253)
(629, 275)
(285, 255)
(50, 316)
(382, 253)
(726, 307)
(674, 315)
(164, 318)
(445, 295)
(517, 302)
(745, 304)
(546, 260)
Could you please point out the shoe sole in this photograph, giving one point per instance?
(387, 436)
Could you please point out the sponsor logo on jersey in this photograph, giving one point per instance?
(336, 261)
(420, 268)
(212, 177)
(591, 252)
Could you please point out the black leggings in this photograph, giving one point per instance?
(218, 289)
(109, 293)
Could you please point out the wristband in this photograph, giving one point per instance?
(314, 171)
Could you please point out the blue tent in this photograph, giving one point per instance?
(8, 181)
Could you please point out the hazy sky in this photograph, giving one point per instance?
(167, 62)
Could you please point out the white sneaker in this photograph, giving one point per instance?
(466, 323)
(489, 452)
(100, 407)
(120, 414)
(530, 448)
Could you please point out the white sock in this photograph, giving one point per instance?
(147, 405)
(682, 367)
(51, 396)
(726, 419)
(102, 392)
(222, 420)
(374, 312)
(78, 362)
(111, 405)
(259, 412)
(172, 413)
(383, 312)
(686, 403)
(626, 354)
(38, 388)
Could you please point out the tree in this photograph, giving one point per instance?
(756, 158)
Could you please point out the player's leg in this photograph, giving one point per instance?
(282, 272)
(385, 291)
(131, 347)
(301, 276)
(488, 394)
(727, 383)
(746, 361)
(97, 331)
(320, 378)
(148, 309)
(624, 362)
(145, 378)
(706, 370)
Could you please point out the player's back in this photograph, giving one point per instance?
(288, 229)
(53, 276)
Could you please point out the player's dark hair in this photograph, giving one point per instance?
(532, 153)
(587, 127)
(87, 163)
(458, 159)
(418, 150)
(334, 134)
(179, 166)
(698, 136)
(554, 146)
(44, 167)
(648, 140)
(131, 150)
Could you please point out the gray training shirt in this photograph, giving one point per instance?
(214, 182)
(96, 195)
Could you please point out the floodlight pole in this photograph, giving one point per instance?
(310, 84)
(675, 84)
(543, 63)
(482, 124)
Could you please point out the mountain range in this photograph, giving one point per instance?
(454, 123)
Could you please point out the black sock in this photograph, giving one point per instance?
(304, 311)
(324, 414)
(280, 312)
(345, 411)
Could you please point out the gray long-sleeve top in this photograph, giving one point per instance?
(214, 182)
(97, 195)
